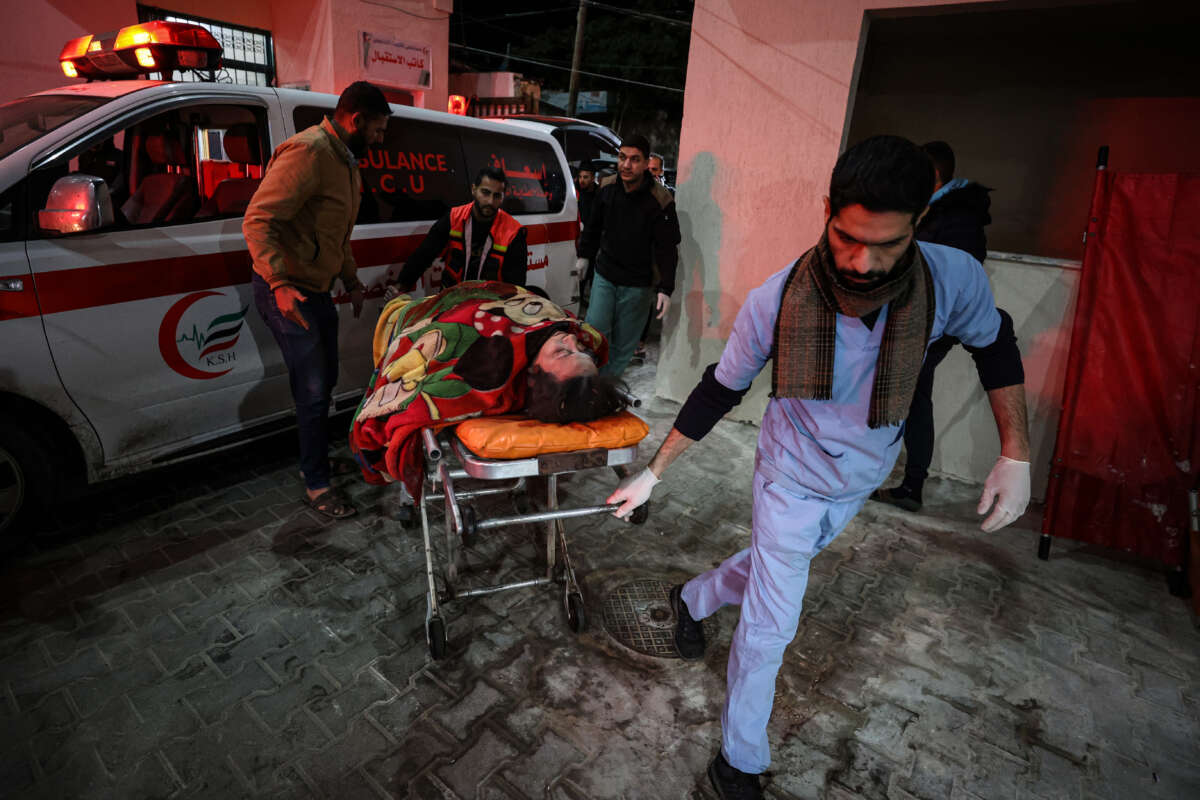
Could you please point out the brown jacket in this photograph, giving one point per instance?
(298, 223)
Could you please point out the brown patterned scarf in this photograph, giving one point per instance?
(806, 330)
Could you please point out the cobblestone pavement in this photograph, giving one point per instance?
(203, 635)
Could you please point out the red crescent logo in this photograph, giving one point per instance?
(166, 339)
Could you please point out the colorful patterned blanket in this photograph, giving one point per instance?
(457, 354)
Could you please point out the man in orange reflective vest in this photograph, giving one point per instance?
(477, 241)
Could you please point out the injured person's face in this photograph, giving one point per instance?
(563, 357)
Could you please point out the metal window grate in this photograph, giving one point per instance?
(249, 53)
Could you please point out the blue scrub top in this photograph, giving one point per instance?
(823, 448)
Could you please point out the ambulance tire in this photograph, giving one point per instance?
(27, 484)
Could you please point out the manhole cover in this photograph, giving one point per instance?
(639, 616)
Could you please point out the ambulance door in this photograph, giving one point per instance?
(150, 318)
(408, 182)
(537, 195)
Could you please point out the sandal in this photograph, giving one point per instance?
(331, 503)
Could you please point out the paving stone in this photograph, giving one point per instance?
(884, 731)
(423, 747)
(1161, 689)
(339, 711)
(16, 771)
(331, 766)
(932, 778)
(301, 653)
(146, 780)
(90, 694)
(213, 700)
(175, 645)
(172, 595)
(932, 662)
(30, 689)
(463, 717)
(79, 774)
(487, 754)
(307, 685)
(535, 772)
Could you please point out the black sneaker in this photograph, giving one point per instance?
(689, 634)
(901, 497)
(731, 783)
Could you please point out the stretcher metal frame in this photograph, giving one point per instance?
(462, 522)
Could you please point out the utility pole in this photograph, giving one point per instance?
(573, 92)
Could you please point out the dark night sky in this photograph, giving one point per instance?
(615, 44)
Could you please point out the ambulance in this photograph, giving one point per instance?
(128, 333)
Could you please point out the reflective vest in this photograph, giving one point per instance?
(458, 252)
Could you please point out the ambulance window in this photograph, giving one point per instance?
(535, 181)
(304, 117)
(228, 141)
(10, 218)
(416, 174)
(187, 164)
(588, 146)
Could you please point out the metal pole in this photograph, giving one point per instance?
(573, 92)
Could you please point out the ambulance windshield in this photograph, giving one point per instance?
(29, 118)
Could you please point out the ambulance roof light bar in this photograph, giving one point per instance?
(135, 50)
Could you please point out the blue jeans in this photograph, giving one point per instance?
(312, 360)
(619, 313)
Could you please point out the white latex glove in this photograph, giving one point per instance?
(581, 265)
(1008, 485)
(663, 304)
(632, 492)
(391, 291)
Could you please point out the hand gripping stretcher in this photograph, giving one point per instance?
(476, 476)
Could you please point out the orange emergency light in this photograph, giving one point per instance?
(138, 49)
(457, 104)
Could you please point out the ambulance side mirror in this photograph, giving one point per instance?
(77, 203)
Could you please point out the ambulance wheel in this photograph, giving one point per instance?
(470, 520)
(435, 633)
(576, 616)
(27, 484)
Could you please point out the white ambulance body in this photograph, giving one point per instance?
(128, 332)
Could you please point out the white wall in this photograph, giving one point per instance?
(1041, 300)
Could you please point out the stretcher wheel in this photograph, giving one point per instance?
(406, 515)
(1044, 548)
(576, 616)
(1177, 583)
(435, 634)
(640, 514)
(470, 525)
(522, 503)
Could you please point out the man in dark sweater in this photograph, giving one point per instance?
(957, 214)
(632, 239)
(477, 241)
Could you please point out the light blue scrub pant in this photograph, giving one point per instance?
(768, 580)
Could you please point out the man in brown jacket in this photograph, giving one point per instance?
(297, 229)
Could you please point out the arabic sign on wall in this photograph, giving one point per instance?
(396, 63)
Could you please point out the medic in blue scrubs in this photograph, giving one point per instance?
(846, 328)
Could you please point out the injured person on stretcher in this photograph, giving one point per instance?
(479, 348)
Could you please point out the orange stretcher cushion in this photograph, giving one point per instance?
(521, 437)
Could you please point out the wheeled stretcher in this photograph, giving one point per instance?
(456, 474)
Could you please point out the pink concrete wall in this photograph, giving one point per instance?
(36, 35)
(423, 24)
(316, 41)
(766, 100)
